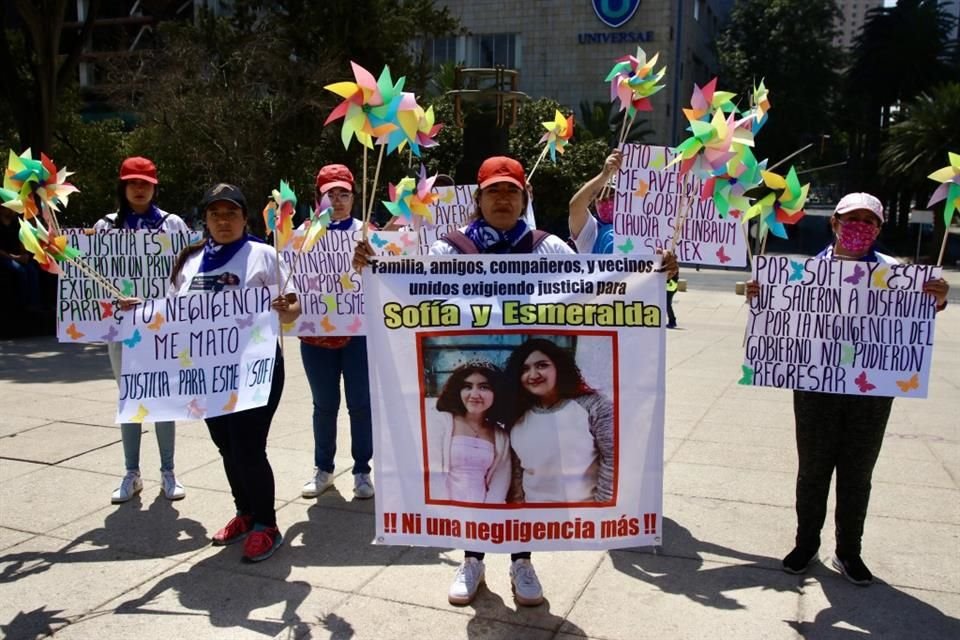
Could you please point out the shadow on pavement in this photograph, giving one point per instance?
(708, 587)
(46, 360)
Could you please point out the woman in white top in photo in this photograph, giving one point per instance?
(137, 199)
(230, 258)
(561, 429)
(468, 448)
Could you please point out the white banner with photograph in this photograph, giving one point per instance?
(837, 326)
(137, 263)
(197, 356)
(649, 203)
(519, 400)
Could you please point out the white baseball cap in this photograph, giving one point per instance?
(855, 201)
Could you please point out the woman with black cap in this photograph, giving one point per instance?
(230, 258)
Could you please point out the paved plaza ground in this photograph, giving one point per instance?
(75, 566)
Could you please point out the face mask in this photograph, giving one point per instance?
(605, 211)
(856, 237)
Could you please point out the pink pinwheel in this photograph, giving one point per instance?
(359, 98)
(54, 190)
(728, 189)
(409, 197)
(708, 150)
(318, 223)
(949, 189)
(706, 100)
(426, 131)
(632, 82)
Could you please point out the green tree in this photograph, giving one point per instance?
(917, 144)
(37, 68)
(789, 44)
(902, 51)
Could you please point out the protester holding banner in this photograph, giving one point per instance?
(842, 432)
(230, 258)
(326, 359)
(468, 447)
(595, 234)
(561, 429)
(137, 200)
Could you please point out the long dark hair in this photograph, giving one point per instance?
(570, 382)
(450, 401)
(123, 205)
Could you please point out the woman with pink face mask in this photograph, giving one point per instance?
(841, 431)
(595, 234)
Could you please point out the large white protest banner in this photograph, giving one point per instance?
(137, 263)
(836, 326)
(197, 356)
(519, 400)
(330, 290)
(649, 201)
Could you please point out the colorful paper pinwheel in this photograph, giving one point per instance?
(949, 189)
(633, 80)
(20, 178)
(559, 132)
(706, 100)
(360, 98)
(409, 197)
(319, 221)
(278, 214)
(778, 201)
(728, 189)
(47, 249)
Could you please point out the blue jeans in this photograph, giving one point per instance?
(324, 367)
(130, 432)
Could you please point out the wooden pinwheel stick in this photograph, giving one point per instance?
(536, 164)
(943, 245)
(92, 273)
(684, 209)
(746, 238)
(373, 189)
(792, 155)
(363, 191)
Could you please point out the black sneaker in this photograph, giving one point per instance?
(853, 570)
(798, 560)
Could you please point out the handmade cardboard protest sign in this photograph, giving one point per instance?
(330, 290)
(835, 326)
(452, 210)
(197, 356)
(520, 400)
(648, 205)
(138, 263)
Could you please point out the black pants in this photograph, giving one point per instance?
(671, 316)
(242, 441)
(842, 432)
(479, 555)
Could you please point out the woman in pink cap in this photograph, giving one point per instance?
(138, 210)
(841, 432)
(326, 359)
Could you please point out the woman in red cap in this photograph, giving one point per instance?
(842, 432)
(326, 359)
(137, 200)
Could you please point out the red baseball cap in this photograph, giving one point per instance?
(137, 168)
(334, 175)
(501, 169)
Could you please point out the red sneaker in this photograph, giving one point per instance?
(261, 543)
(234, 531)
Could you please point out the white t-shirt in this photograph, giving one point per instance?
(254, 265)
(550, 245)
(587, 236)
(172, 223)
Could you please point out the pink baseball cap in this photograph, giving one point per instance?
(855, 201)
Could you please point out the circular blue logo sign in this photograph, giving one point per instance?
(615, 13)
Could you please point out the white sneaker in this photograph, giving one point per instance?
(526, 587)
(320, 482)
(172, 489)
(130, 486)
(464, 587)
(362, 486)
